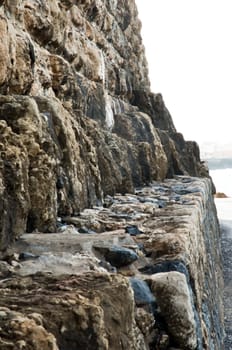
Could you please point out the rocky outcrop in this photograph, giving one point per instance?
(77, 118)
(98, 249)
(142, 272)
(86, 310)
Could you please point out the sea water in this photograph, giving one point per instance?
(222, 179)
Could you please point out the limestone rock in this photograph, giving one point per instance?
(95, 311)
(83, 142)
(23, 332)
(5, 269)
(146, 323)
(178, 234)
(76, 109)
(174, 299)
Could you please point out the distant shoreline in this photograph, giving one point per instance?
(220, 195)
(219, 163)
(222, 178)
(224, 210)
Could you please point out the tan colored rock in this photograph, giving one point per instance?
(167, 245)
(82, 125)
(13, 185)
(173, 297)
(78, 122)
(4, 50)
(23, 63)
(220, 195)
(146, 323)
(26, 333)
(171, 233)
(92, 311)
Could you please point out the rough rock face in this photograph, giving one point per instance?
(83, 144)
(166, 292)
(25, 332)
(173, 296)
(77, 118)
(79, 312)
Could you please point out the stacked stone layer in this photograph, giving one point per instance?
(142, 272)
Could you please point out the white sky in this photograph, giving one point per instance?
(189, 50)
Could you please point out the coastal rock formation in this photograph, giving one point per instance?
(143, 272)
(95, 311)
(77, 118)
(105, 224)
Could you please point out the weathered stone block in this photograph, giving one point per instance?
(173, 297)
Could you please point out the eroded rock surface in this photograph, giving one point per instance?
(174, 299)
(77, 118)
(170, 271)
(24, 332)
(79, 312)
(88, 234)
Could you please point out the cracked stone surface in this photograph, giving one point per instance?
(165, 268)
(77, 118)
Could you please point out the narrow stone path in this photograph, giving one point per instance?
(226, 229)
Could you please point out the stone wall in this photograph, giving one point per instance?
(143, 272)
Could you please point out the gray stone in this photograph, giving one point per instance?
(174, 300)
(142, 293)
(119, 256)
(133, 230)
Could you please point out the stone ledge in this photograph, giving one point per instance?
(163, 231)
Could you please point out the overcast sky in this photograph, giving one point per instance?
(189, 50)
